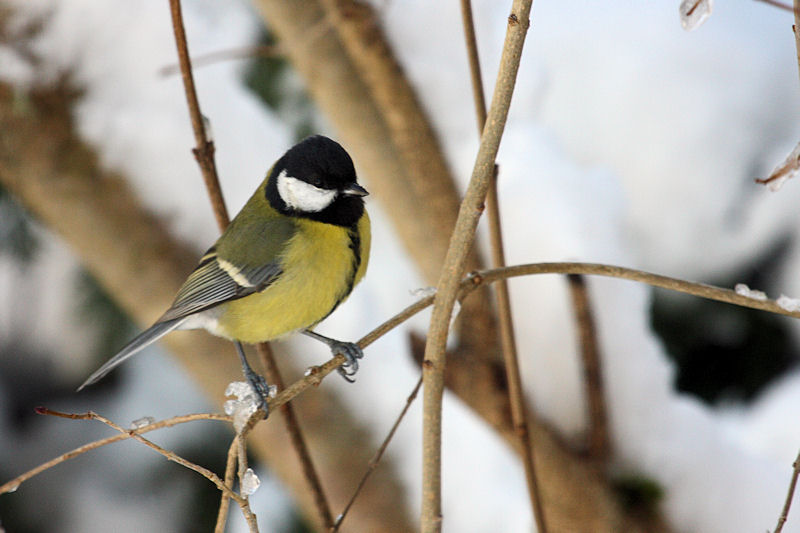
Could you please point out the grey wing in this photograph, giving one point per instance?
(213, 282)
(216, 281)
(140, 342)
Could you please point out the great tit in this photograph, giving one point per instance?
(286, 261)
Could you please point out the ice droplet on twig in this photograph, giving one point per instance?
(786, 170)
(245, 404)
(424, 292)
(694, 13)
(139, 423)
(788, 304)
(250, 482)
(743, 290)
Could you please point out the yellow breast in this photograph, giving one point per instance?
(319, 271)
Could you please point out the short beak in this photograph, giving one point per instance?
(354, 189)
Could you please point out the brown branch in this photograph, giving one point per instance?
(241, 448)
(204, 151)
(273, 375)
(205, 158)
(789, 495)
(171, 456)
(217, 56)
(599, 445)
(519, 415)
(12, 485)
(475, 280)
(455, 260)
(796, 9)
(475, 77)
(230, 470)
(779, 5)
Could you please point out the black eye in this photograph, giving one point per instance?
(315, 180)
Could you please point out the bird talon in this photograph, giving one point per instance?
(352, 353)
(261, 388)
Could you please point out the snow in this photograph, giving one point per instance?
(743, 290)
(788, 303)
(694, 13)
(142, 422)
(245, 404)
(629, 142)
(250, 483)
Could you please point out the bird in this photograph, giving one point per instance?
(286, 261)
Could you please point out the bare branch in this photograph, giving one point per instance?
(273, 375)
(519, 415)
(12, 485)
(204, 152)
(599, 441)
(779, 5)
(789, 495)
(205, 158)
(230, 472)
(455, 260)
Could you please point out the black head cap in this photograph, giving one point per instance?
(322, 162)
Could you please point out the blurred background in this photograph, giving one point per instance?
(630, 142)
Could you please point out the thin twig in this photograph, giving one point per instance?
(796, 30)
(452, 270)
(243, 52)
(474, 64)
(599, 442)
(777, 4)
(477, 279)
(519, 415)
(12, 485)
(230, 472)
(241, 447)
(789, 495)
(204, 152)
(132, 434)
(373, 464)
(273, 375)
(172, 456)
(205, 158)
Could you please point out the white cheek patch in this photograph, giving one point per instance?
(303, 196)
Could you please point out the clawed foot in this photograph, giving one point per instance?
(256, 381)
(352, 353)
(261, 388)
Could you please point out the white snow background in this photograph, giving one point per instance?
(630, 142)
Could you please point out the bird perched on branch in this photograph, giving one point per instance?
(286, 261)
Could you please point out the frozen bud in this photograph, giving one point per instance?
(694, 13)
(243, 406)
(788, 304)
(423, 292)
(743, 290)
(250, 482)
(786, 170)
(139, 423)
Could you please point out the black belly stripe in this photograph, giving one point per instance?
(355, 247)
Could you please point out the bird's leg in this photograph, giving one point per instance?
(255, 380)
(349, 350)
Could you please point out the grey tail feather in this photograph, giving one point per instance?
(144, 339)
